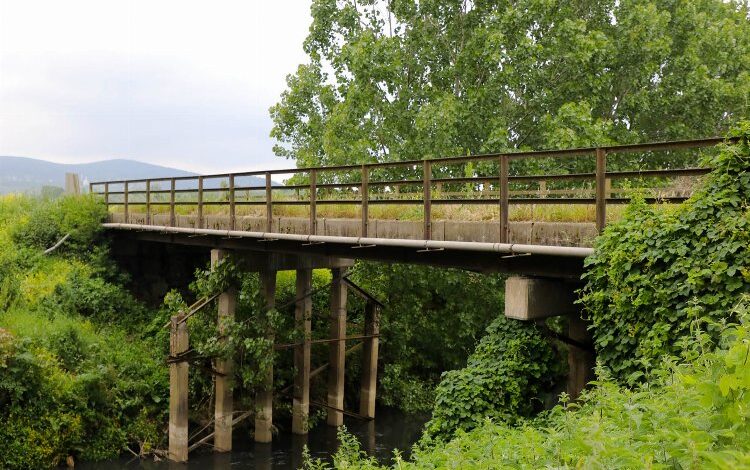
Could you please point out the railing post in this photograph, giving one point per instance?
(365, 199)
(601, 194)
(269, 204)
(313, 199)
(232, 223)
(427, 199)
(148, 202)
(504, 199)
(172, 216)
(200, 202)
(106, 195)
(125, 199)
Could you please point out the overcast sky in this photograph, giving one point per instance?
(180, 83)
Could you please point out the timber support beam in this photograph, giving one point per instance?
(302, 320)
(178, 390)
(224, 405)
(264, 398)
(337, 351)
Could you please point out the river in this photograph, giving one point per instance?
(379, 438)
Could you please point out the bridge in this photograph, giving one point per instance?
(453, 212)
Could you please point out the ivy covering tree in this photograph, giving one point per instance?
(396, 79)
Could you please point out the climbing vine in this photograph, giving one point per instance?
(502, 380)
(655, 272)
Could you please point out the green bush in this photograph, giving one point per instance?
(76, 375)
(50, 220)
(654, 272)
(502, 380)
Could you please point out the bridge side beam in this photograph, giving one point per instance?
(224, 406)
(337, 350)
(264, 398)
(302, 319)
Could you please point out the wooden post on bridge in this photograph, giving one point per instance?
(224, 406)
(337, 353)
(427, 199)
(178, 390)
(368, 384)
(601, 190)
(264, 398)
(302, 319)
(504, 198)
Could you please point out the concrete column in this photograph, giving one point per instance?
(337, 349)
(368, 384)
(224, 393)
(302, 319)
(178, 391)
(264, 398)
(581, 362)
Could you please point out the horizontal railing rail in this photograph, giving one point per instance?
(416, 182)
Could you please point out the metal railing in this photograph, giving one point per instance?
(358, 181)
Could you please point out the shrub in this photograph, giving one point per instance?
(511, 365)
(654, 272)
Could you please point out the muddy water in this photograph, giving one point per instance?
(390, 430)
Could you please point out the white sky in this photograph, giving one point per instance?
(181, 83)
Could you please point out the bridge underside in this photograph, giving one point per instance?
(293, 252)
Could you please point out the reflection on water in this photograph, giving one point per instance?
(391, 430)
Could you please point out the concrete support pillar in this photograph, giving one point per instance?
(224, 406)
(581, 361)
(302, 319)
(368, 384)
(178, 391)
(264, 398)
(337, 349)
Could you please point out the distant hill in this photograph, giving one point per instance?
(30, 175)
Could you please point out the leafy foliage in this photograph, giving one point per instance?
(511, 365)
(655, 272)
(692, 415)
(394, 80)
(76, 376)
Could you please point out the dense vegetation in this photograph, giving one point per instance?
(673, 385)
(76, 376)
(692, 415)
(656, 272)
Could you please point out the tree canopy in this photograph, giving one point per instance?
(392, 80)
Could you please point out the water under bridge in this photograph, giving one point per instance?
(533, 215)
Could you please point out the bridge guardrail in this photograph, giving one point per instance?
(316, 181)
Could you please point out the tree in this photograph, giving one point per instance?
(397, 79)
